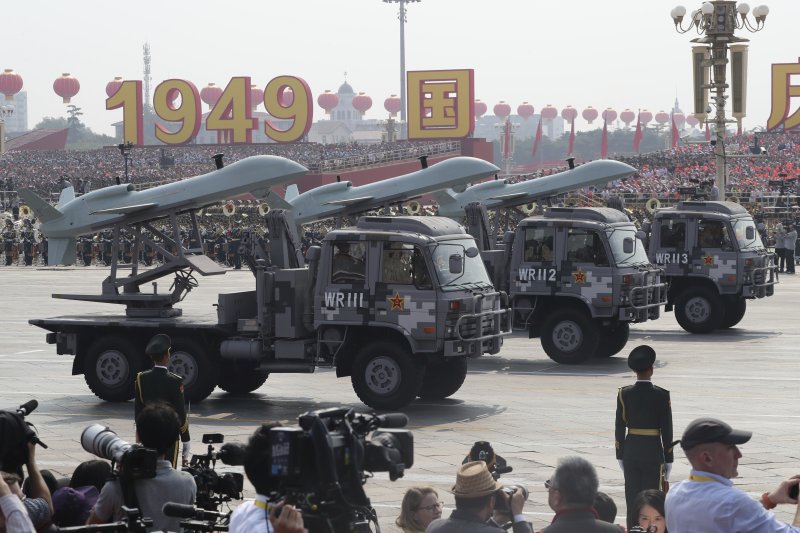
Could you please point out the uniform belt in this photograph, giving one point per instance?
(644, 432)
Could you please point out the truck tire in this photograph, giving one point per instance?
(734, 312)
(190, 360)
(613, 340)
(385, 376)
(569, 337)
(699, 310)
(110, 369)
(443, 378)
(238, 380)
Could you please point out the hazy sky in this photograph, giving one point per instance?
(620, 53)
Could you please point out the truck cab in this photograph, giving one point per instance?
(715, 261)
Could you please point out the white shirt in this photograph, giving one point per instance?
(251, 518)
(710, 504)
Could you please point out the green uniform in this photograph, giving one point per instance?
(159, 384)
(645, 411)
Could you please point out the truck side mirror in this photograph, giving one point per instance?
(750, 233)
(508, 237)
(472, 252)
(627, 245)
(313, 253)
(456, 265)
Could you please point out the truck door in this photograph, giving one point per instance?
(345, 298)
(404, 294)
(586, 270)
(715, 254)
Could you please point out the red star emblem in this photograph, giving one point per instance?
(397, 301)
(708, 260)
(579, 276)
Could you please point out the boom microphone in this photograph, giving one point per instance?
(232, 453)
(392, 420)
(180, 510)
(26, 408)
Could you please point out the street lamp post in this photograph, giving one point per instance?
(716, 21)
(402, 16)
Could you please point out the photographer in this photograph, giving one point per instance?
(571, 493)
(475, 493)
(157, 427)
(13, 515)
(259, 516)
(39, 505)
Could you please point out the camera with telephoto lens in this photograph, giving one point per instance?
(131, 461)
(483, 451)
(214, 489)
(15, 434)
(321, 466)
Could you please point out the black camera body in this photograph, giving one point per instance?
(15, 434)
(214, 489)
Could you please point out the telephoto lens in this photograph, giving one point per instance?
(103, 442)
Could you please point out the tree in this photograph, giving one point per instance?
(80, 137)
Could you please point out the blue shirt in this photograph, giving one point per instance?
(712, 505)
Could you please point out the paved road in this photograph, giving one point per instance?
(532, 410)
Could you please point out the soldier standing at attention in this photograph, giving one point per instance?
(645, 452)
(159, 384)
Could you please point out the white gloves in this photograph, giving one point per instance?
(621, 464)
(187, 449)
(667, 470)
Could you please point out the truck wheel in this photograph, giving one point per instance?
(385, 376)
(443, 378)
(734, 312)
(237, 380)
(699, 310)
(569, 337)
(190, 360)
(110, 369)
(613, 340)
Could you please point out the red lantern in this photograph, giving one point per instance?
(480, 108)
(286, 97)
(692, 120)
(10, 83)
(609, 115)
(328, 101)
(627, 117)
(362, 103)
(392, 105)
(256, 96)
(569, 114)
(113, 86)
(502, 109)
(66, 87)
(589, 114)
(680, 119)
(662, 117)
(210, 94)
(525, 110)
(645, 116)
(549, 112)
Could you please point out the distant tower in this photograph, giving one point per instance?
(677, 108)
(147, 78)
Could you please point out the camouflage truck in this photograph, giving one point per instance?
(577, 278)
(714, 260)
(399, 304)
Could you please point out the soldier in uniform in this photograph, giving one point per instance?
(27, 240)
(159, 384)
(645, 450)
(9, 242)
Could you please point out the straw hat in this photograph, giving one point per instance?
(474, 480)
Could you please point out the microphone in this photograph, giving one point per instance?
(392, 420)
(232, 453)
(26, 408)
(181, 510)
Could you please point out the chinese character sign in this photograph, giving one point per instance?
(440, 103)
(784, 88)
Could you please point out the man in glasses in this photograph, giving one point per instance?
(571, 493)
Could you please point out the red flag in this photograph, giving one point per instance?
(638, 136)
(571, 139)
(708, 133)
(675, 133)
(604, 141)
(537, 138)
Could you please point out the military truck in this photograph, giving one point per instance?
(399, 304)
(577, 278)
(714, 260)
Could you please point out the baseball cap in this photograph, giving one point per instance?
(705, 430)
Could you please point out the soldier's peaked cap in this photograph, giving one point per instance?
(641, 358)
(705, 430)
(158, 345)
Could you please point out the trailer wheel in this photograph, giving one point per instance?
(734, 312)
(443, 378)
(569, 337)
(110, 369)
(190, 360)
(239, 380)
(699, 310)
(613, 340)
(385, 376)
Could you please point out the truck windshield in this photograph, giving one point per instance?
(740, 230)
(473, 274)
(616, 238)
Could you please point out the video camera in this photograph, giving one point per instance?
(15, 434)
(320, 466)
(483, 451)
(214, 489)
(131, 461)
